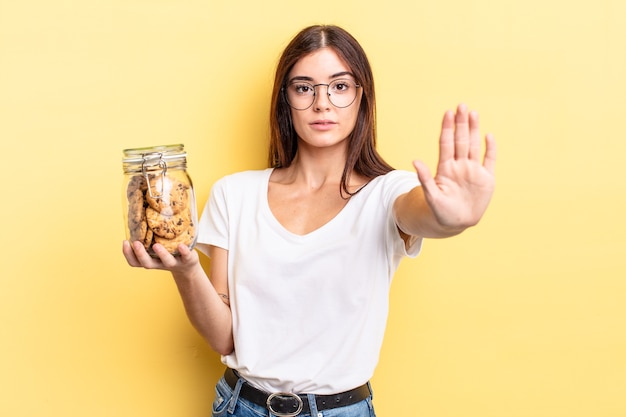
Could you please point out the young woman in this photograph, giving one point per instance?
(302, 253)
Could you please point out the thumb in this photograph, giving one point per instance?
(423, 175)
(186, 254)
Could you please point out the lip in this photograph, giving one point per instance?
(322, 124)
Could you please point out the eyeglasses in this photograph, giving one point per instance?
(301, 94)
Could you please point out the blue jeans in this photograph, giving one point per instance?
(228, 403)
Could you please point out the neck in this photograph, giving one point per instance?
(315, 171)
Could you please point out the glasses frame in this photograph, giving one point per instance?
(313, 86)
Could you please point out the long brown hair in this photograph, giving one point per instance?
(362, 155)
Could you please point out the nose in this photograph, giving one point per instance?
(321, 99)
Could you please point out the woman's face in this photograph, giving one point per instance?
(323, 124)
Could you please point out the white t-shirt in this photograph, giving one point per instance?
(309, 312)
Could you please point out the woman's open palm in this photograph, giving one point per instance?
(459, 193)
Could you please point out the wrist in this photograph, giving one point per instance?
(188, 273)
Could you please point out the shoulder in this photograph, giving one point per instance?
(243, 178)
(387, 187)
(400, 174)
(395, 179)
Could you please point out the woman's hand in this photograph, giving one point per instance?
(137, 256)
(458, 196)
(460, 192)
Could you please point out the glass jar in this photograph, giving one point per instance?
(159, 203)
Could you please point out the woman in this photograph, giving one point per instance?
(302, 253)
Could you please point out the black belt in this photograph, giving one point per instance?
(288, 404)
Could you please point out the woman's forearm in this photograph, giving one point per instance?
(207, 312)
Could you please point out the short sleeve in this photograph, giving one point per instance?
(213, 225)
(396, 183)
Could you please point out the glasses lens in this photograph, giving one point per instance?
(301, 95)
(342, 93)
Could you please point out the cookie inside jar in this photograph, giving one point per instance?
(160, 210)
(159, 198)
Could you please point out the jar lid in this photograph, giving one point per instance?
(163, 152)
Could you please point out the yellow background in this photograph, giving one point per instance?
(522, 316)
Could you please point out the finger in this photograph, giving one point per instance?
(461, 132)
(166, 258)
(186, 254)
(474, 136)
(129, 254)
(143, 257)
(490, 153)
(446, 139)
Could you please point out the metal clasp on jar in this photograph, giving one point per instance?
(150, 161)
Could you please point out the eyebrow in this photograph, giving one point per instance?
(305, 78)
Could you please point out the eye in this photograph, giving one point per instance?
(302, 88)
(341, 86)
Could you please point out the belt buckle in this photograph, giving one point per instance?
(283, 396)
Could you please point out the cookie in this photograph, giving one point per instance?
(168, 225)
(135, 208)
(137, 182)
(148, 239)
(169, 195)
(138, 231)
(186, 238)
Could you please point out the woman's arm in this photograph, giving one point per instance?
(208, 311)
(458, 196)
